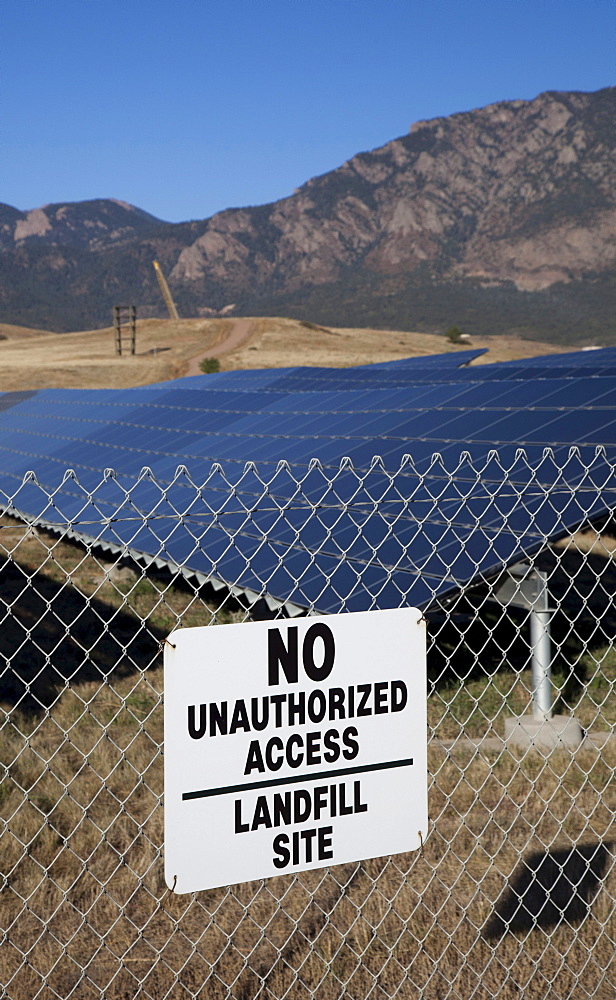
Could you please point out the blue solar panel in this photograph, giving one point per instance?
(371, 541)
(263, 378)
(593, 357)
(312, 379)
(453, 359)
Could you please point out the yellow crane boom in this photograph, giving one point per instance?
(164, 287)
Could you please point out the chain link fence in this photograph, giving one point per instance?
(512, 894)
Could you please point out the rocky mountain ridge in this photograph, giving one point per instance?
(87, 224)
(498, 219)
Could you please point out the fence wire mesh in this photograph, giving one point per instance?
(513, 891)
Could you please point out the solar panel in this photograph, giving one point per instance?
(419, 540)
(263, 377)
(595, 357)
(454, 359)
(313, 379)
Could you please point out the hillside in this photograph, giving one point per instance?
(166, 349)
(502, 220)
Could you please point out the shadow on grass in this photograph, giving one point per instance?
(549, 888)
(478, 636)
(51, 634)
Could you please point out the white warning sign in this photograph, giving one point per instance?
(292, 745)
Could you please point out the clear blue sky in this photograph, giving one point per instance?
(188, 107)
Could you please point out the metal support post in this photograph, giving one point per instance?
(541, 648)
(525, 587)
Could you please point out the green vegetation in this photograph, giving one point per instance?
(209, 366)
(454, 335)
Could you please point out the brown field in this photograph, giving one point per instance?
(84, 898)
(167, 349)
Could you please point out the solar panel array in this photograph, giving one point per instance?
(591, 357)
(402, 529)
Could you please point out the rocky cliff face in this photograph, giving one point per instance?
(518, 191)
(500, 218)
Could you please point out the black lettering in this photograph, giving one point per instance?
(282, 808)
(295, 851)
(254, 760)
(297, 709)
(320, 800)
(333, 803)
(324, 844)
(279, 655)
(330, 742)
(302, 805)
(261, 815)
(196, 732)
(281, 850)
(380, 698)
(278, 701)
(349, 738)
(240, 718)
(336, 704)
(259, 723)
(318, 631)
(274, 763)
(295, 740)
(218, 719)
(358, 805)
(363, 708)
(345, 810)
(308, 837)
(239, 826)
(399, 696)
(316, 714)
(313, 748)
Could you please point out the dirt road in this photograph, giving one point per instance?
(237, 336)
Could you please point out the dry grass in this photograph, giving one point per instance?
(277, 342)
(84, 908)
(33, 359)
(591, 542)
(88, 360)
(92, 772)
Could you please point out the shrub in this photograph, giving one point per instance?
(209, 366)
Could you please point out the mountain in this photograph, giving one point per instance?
(499, 219)
(88, 225)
